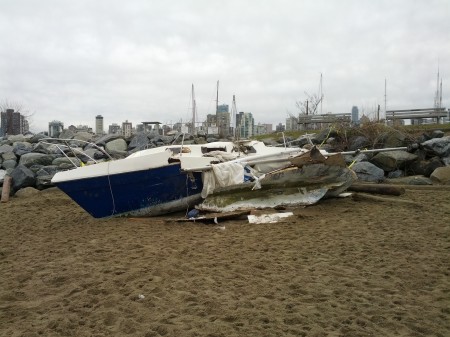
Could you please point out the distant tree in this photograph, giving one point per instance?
(6, 104)
(310, 104)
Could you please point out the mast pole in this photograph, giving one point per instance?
(194, 108)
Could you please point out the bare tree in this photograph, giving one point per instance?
(17, 106)
(310, 105)
(7, 104)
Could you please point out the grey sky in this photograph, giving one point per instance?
(137, 59)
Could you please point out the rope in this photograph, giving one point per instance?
(112, 195)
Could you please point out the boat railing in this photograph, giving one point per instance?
(64, 145)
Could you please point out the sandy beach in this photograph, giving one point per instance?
(338, 268)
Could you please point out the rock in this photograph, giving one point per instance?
(32, 158)
(64, 160)
(423, 138)
(9, 156)
(438, 146)
(302, 140)
(35, 138)
(6, 149)
(139, 141)
(117, 145)
(26, 192)
(9, 164)
(324, 134)
(85, 136)
(48, 171)
(66, 134)
(437, 134)
(20, 148)
(43, 182)
(92, 153)
(22, 177)
(395, 174)
(17, 138)
(211, 139)
(107, 138)
(349, 159)
(441, 175)
(393, 138)
(424, 167)
(411, 180)
(358, 143)
(368, 172)
(36, 168)
(393, 160)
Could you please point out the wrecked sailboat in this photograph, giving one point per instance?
(156, 181)
(309, 177)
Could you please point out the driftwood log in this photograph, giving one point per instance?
(377, 189)
(6, 189)
(393, 201)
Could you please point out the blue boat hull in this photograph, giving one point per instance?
(147, 192)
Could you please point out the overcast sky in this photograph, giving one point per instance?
(137, 59)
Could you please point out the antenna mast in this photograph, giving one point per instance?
(194, 110)
(233, 116)
(438, 95)
(385, 100)
(320, 93)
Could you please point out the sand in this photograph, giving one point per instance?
(338, 268)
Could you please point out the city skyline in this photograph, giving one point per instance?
(140, 59)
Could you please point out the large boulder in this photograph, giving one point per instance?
(438, 146)
(139, 141)
(9, 156)
(393, 160)
(20, 148)
(5, 148)
(368, 172)
(441, 175)
(107, 138)
(32, 158)
(9, 164)
(424, 167)
(117, 145)
(22, 177)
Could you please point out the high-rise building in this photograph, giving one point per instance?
(55, 128)
(355, 115)
(245, 124)
(127, 128)
(223, 120)
(114, 128)
(12, 123)
(99, 125)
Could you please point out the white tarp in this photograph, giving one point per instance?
(222, 175)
